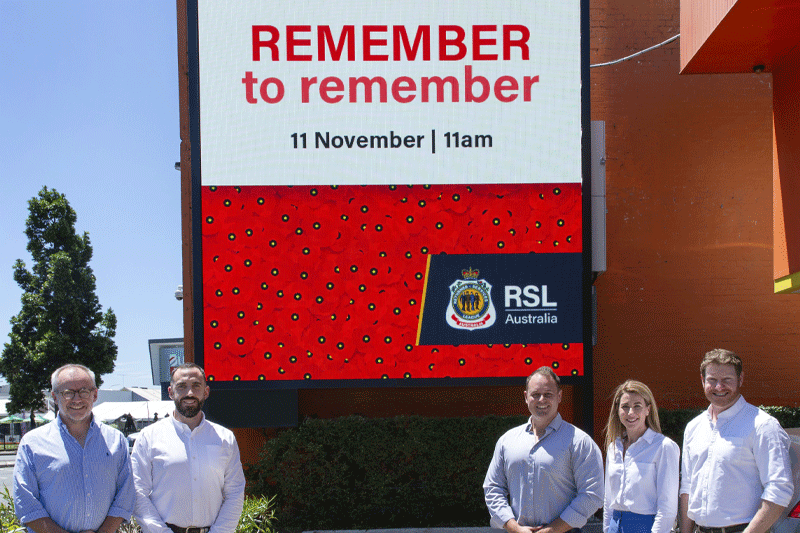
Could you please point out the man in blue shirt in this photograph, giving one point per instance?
(73, 474)
(546, 476)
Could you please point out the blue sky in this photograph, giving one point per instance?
(89, 107)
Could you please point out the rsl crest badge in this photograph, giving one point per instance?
(470, 306)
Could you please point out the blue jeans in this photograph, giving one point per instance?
(627, 522)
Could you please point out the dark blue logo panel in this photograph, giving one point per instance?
(503, 299)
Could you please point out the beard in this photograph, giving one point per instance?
(190, 410)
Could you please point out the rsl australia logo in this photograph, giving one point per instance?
(470, 304)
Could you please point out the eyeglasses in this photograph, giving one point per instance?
(69, 394)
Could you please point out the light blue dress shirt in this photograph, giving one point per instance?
(561, 475)
(77, 487)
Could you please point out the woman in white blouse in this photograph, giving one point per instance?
(641, 466)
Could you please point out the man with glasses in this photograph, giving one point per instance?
(73, 475)
(187, 470)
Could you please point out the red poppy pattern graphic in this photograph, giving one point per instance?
(326, 283)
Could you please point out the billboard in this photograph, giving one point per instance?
(389, 190)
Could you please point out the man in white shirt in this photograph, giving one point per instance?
(187, 471)
(736, 473)
(546, 476)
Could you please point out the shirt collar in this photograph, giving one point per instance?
(553, 425)
(64, 429)
(649, 435)
(730, 412)
(184, 428)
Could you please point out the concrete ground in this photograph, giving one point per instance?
(593, 526)
(6, 469)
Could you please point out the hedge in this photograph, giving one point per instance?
(360, 473)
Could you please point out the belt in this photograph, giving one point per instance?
(736, 528)
(178, 529)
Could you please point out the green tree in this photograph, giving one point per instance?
(61, 320)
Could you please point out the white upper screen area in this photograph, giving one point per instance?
(377, 92)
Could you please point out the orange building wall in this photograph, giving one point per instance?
(689, 184)
(689, 233)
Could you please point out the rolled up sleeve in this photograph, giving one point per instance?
(495, 489)
(771, 452)
(587, 464)
(124, 500)
(27, 506)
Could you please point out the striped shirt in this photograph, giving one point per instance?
(77, 487)
(535, 482)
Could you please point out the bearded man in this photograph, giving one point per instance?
(186, 470)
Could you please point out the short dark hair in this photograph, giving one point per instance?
(185, 366)
(545, 371)
(721, 356)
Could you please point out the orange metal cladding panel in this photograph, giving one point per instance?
(786, 165)
(780, 256)
(727, 36)
(698, 20)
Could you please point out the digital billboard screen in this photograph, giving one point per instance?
(389, 190)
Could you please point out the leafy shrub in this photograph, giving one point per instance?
(674, 421)
(789, 417)
(257, 516)
(8, 520)
(358, 473)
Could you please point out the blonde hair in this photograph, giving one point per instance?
(614, 428)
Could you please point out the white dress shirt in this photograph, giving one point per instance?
(187, 478)
(730, 466)
(645, 481)
(535, 482)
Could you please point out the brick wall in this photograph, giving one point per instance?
(689, 185)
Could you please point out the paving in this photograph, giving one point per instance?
(7, 458)
(593, 526)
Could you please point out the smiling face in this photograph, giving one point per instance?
(76, 410)
(542, 397)
(188, 390)
(633, 411)
(721, 386)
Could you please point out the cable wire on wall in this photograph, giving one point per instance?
(636, 54)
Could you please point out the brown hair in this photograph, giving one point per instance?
(614, 428)
(721, 356)
(545, 371)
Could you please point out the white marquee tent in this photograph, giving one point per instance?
(110, 411)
